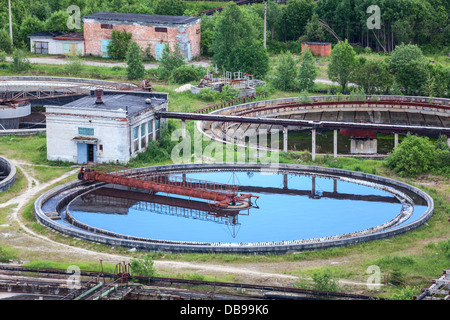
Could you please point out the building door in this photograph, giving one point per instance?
(81, 153)
(104, 48)
(188, 52)
(70, 49)
(159, 49)
(40, 47)
(91, 153)
(86, 153)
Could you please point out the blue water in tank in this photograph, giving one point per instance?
(289, 210)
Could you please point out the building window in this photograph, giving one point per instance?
(150, 126)
(86, 131)
(136, 132)
(106, 26)
(159, 29)
(41, 47)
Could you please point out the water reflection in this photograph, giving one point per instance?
(291, 207)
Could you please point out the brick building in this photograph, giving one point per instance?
(147, 30)
(318, 48)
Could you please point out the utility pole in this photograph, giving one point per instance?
(10, 23)
(265, 22)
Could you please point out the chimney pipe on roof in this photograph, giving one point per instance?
(99, 93)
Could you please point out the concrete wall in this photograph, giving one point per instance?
(57, 46)
(258, 248)
(10, 171)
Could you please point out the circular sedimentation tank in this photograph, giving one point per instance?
(294, 208)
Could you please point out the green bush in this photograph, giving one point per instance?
(185, 74)
(208, 94)
(74, 66)
(20, 62)
(143, 267)
(413, 156)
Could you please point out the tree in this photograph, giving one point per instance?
(286, 73)
(57, 22)
(30, 25)
(135, 66)
(407, 63)
(342, 63)
(237, 42)
(118, 46)
(308, 72)
(5, 41)
(170, 60)
(296, 15)
(372, 75)
(170, 7)
(313, 30)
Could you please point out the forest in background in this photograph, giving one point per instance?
(421, 22)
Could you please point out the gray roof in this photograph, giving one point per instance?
(142, 18)
(45, 34)
(134, 103)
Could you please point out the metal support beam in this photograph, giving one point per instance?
(335, 143)
(285, 139)
(313, 148)
(183, 128)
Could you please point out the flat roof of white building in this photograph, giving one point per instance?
(133, 102)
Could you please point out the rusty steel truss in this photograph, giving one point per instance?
(220, 195)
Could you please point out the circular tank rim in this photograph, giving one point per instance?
(261, 248)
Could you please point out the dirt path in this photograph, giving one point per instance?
(23, 239)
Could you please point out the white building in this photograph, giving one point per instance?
(104, 127)
(46, 42)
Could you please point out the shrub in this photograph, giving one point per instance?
(3, 56)
(170, 60)
(74, 66)
(19, 62)
(414, 156)
(325, 281)
(185, 74)
(143, 267)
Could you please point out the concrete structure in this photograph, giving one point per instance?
(46, 42)
(361, 120)
(11, 114)
(109, 126)
(154, 31)
(56, 201)
(7, 174)
(318, 48)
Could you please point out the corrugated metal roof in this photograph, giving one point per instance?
(143, 18)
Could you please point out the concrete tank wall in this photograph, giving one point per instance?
(9, 170)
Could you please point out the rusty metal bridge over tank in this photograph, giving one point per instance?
(219, 195)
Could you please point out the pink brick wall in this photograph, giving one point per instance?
(143, 35)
